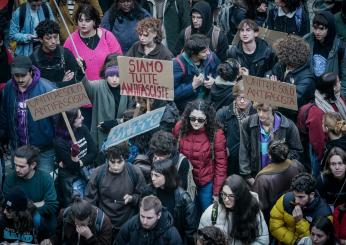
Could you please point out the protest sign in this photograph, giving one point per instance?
(269, 36)
(270, 92)
(58, 100)
(146, 78)
(133, 127)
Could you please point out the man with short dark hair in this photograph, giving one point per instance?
(23, 23)
(252, 52)
(293, 212)
(114, 186)
(56, 63)
(194, 71)
(38, 185)
(16, 122)
(153, 225)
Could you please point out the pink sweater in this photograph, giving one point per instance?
(94, 59)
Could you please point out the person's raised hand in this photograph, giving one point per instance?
(197, 81)
(84, 231)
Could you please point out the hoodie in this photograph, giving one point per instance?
(204, 10)
(321, 50)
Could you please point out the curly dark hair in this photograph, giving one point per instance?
(304, 182)
(151, 24)
(90, 12)
(211, 235)
(114, 12)
(292, 51)
(210, 124)
(245, 225)
(47, 27)
(163, 143)
(278, 151)
(120, 151)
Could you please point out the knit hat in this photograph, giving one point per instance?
(16, 200)
(21, 65)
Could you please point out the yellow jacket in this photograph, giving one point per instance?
(282, 224)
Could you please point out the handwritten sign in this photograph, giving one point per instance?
(270, 36)
(270, 92)
(58, 100)
(134, 127)
(146, 78)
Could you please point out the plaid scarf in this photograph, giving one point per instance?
(241, 114)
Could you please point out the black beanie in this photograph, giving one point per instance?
(16, 200)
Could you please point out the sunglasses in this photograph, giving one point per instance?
(199, 120)
(229, 196)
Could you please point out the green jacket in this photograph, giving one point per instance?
(336, 61)
(176, 17)
(103, 107)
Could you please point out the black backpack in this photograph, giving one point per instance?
(22, 14)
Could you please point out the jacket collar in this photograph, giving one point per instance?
(254, 121)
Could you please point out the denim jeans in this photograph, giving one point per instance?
(315, 163)
(46, 161)
(204, 196)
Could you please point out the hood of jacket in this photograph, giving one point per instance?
(204, 10)
(331, 29)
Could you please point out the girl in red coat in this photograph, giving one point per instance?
(204, 145)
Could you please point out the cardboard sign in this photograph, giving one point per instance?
(269, 36)
(146, 78)
(270, 92)
(58, 100)
(134, 127)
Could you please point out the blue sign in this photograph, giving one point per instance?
(134, 127)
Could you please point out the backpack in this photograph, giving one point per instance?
(298, 17)
(130, 169)
(191, 186)
(22, 14)
(214, 36)
(142, 161)
(303, 114)
(100, 216)
(225, 13)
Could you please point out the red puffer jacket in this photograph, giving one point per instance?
(196, 147)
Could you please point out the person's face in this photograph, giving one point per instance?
(79, 120)
(9, 213)
(126, 5)
(280, 3)
(197, 119)
(318, 236)
(147, 37)
(228, 197)
(113, 81)
(158, 157)
(203, 55)
(241, 102)
(302, 199)
(23, 80)
(23, 169)
(265, 113)
(84, 222)
(35, 5)
(158, 179)
(320, 32)
(148, 218)
(337, 166)
(247, 34)
(116, 166)
(49, 42)
(197, 20)
(85, 25)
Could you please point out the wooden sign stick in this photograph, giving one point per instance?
(148, 105)
(74, 141)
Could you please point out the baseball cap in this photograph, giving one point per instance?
(16, 200)
(21, 65)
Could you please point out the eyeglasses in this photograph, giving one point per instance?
(199, 120)
(225, 195)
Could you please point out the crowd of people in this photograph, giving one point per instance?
(219, 169)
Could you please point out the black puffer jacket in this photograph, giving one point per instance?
(185, 216)
(264, 60)
(164, 233)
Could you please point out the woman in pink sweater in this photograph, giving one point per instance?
(92, 42)
(93, 45)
